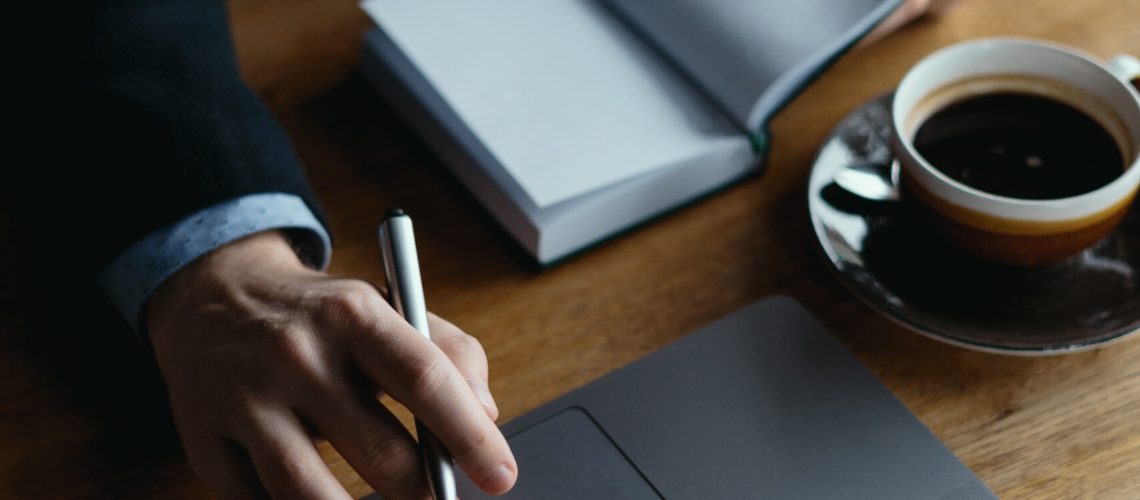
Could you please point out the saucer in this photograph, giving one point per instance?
(903, 268)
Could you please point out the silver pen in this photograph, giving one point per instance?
(406, 294)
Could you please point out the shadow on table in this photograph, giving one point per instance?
(86, 413)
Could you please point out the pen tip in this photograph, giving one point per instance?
(394, 212)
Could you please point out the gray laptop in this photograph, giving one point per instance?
(761, 404)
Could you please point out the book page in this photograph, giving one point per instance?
(739, 50)
(563, 95)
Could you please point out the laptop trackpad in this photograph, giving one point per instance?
(568, 456)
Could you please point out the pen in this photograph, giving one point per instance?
(406, 294)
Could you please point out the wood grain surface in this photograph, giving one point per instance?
(83, 411)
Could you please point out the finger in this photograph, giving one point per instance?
(469, 358)
(286, 461)
(372, 441)
(415, 372)
(225, 468)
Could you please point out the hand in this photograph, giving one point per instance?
(261, 355)
(909, 11)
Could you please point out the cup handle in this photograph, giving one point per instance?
(1126, 68)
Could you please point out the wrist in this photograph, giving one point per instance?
(219, 273)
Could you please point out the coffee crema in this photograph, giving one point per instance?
(1020, 144)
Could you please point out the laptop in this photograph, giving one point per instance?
(763, 403)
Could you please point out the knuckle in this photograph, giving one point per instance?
(282, 354)
(298, 354)
(426, 378)
(352, 301)
(232, 393)
(465, 345)
(297, 346)
(390, 459)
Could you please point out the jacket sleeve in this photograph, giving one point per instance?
(147, 122)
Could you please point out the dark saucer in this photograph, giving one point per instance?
(900, 266)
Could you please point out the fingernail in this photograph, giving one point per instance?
(500, 481)
(484, 394)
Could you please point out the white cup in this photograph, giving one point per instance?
(1024, 232)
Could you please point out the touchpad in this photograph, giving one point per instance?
(568, 456)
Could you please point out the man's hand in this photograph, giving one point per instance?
(261, 355)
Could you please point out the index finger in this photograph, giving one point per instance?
(415, 372)
(467, 354)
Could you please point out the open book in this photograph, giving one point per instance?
(572, 120)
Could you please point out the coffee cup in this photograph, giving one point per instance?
(1022, 152)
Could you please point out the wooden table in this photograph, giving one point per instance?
(84, 416)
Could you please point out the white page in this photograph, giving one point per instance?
(739, 49)
(561, 93)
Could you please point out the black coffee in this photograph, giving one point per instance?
(1021, 146)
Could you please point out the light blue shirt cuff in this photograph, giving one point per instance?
(130, 278)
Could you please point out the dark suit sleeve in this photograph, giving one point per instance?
(150, 123)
